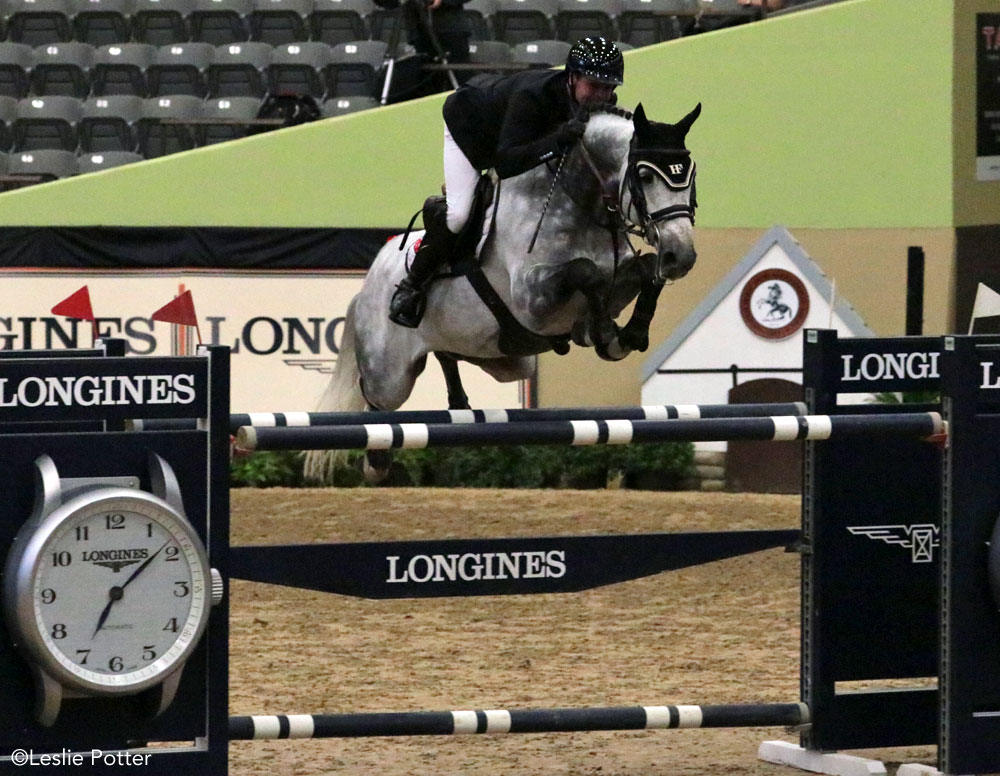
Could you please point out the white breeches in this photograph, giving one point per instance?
(460, 179)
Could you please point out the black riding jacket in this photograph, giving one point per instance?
(510, 122)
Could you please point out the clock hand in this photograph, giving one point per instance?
(115, 594)
(118, 591)
(145, 563)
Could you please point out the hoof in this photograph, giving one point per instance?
(604, 334)
(376, 466)
(634, 339)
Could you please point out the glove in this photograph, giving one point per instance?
(570, 132)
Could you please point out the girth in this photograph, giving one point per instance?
(515, 339)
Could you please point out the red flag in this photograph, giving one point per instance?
(180, 310)
(76, 305)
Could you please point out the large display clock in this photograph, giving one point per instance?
(107, 588)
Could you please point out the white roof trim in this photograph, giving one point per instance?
(805, 265)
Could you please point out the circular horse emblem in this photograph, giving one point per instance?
(774, 304)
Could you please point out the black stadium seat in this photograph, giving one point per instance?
(237, 69)
(46, 122)
(105, 160)
(120, 68)
(180, 68)
(62, 68)
(339, 21)
(108, 123)
(50, 164)
(298, 68)
(163, 129)
(280, 21)
(100, 22)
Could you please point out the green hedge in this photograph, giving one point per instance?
(660, 466)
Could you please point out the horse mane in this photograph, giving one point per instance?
(609, 130)
(607, 107)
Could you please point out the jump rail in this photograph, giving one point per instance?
(430, 723)
(385, 436)
(649, 412)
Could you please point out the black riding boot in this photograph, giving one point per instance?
(407, 305)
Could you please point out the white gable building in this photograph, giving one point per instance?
(748, 328)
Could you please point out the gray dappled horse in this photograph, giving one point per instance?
(567, 277)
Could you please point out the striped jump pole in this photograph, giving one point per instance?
(649, 412)
(384, 436)
(433, 723)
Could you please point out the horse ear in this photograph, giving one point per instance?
(639, 121)
(685, 123)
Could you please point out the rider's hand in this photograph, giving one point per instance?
(570, 132)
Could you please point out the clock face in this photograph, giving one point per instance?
(119, 592)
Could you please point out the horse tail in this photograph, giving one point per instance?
(342, 394)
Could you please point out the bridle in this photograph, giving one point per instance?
(673, 166)
(676, 169)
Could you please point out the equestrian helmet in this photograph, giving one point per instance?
(598, 59)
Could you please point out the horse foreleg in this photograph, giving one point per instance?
(457, 399)
(599, 330)
(634, 335)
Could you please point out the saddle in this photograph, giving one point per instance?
(515, 340)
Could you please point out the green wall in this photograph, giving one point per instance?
(839, 117)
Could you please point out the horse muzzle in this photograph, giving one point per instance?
(673, 265)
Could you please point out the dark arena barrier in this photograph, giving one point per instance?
(904, 496)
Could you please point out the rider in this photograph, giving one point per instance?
(511, 123)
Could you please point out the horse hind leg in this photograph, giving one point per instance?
(457, 398)
(377, 463)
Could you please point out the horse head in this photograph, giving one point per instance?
(659, 191)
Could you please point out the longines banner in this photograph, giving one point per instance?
(988, 97)
(284, 329)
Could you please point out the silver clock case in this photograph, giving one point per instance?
(56, 501)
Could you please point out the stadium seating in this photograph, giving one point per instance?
(46, 123)
(522, 21)
(340, 106)
(105, 160)
(113, 78)
(47, 164)
(15, 66)
(100, 22)
(120, 68)
(224, 119)
(354, 68)
(164, 128)
(340, 21)
(108, 123)
(180, 68)
(35, 22)
(8, 112)
(280, 21)
(62, 68)
(237, 69)
(220, 21)
(298, 68)
(540, 53)
(161, 21)
(577, 19)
